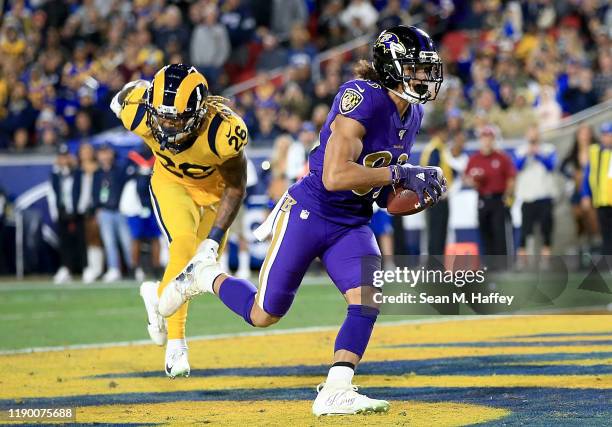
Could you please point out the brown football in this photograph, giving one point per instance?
(405, 202)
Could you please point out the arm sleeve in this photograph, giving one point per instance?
(547, 160)
(585, 191)
(133, 111)
(519, 160)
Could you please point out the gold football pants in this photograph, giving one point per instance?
(185, 223)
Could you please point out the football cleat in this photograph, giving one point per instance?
(62, 276)
(198, 277)
(156, 327)
(343, 399)
(177, 364)
(111, 275)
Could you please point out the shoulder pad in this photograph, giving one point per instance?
(227, 134)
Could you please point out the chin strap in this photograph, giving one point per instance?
(412, 99)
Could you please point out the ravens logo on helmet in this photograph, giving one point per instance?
(405, 56)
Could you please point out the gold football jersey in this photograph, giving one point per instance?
(223, 135)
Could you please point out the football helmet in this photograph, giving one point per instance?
(176, 105)
(406, 56)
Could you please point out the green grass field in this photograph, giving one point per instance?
(38, 314)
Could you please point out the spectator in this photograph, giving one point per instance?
(436, 153)
(240, 25)
(210, 46)
(548, 111)
(136, 205)
(301, 50)
(108, 184)
(329, 28)
(278, 168)
(603, 78)
(491, 172)
(21, 113)
(83, 127)
(88, 166)
(3, 212)
(597, 185)
(535, 187)
(297, 154)
(359, 17)
(21, 140)
(169, 29)
(580, 94)
(265, 130)
(286, 14)
(273, 55)
(514, 120)
(392, 15)
(66, 186)
(12, 42)
(573, 167)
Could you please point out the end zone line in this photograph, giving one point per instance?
(445, 319)
(245, 334)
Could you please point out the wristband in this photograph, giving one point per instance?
(216, 234)
(396, 175)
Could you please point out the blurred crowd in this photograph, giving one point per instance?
(511, 63)
(104, 214)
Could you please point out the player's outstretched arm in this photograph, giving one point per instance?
(233, 172)
(340, 172)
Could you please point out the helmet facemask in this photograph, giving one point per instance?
(420, 79)
(173, 130)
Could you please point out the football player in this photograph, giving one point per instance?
(198, 180)
(364, 146)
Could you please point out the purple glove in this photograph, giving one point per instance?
(424, 181)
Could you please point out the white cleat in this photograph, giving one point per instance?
(343, 399)
(198, 277)
(157, 326)
(112, 275)
(177, 364)
(62, 276)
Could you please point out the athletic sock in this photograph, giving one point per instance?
(244, 261)
(356, 330)
(175, 345)
(340, 375)
(238, 295)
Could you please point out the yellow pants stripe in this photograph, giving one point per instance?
(277, 239)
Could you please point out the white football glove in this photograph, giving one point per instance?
(210, 249)
(117, 102)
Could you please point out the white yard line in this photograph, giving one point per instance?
(79, 286)
(59, 313)
(241, 334)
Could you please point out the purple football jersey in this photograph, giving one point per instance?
(388, 140)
